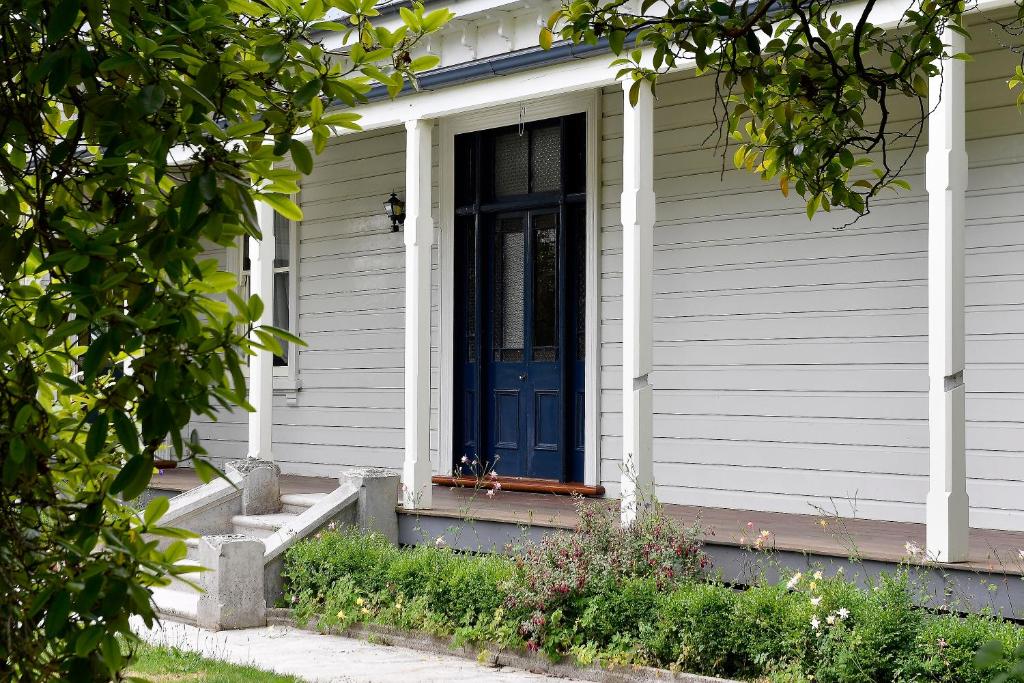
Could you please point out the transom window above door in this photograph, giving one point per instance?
(522, 161)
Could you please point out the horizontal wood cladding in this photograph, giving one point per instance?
(351, 312)
(790, 357)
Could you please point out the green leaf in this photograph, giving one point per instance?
(151, 98)
(25, 413)
(111, 652)
(301, 157)
(424, 62)
(308, 91)
(57, 614)
(62, 18)
(155, 510)
(87, 640)
(97, 437)
(616, 40)
(634, 93)
(812, 206)
(546, 38)
(283, 334)
(282, 204)
(245, 128)
(133, 477)
(127, 433)
(205, 471)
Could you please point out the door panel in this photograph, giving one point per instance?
(507, 372)
(545, 457)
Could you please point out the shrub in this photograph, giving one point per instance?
(582, 595)
(695, 629)
(566, 572)
(947, 648)
(875, 640)
(774, 625)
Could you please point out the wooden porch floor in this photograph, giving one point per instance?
(990, 551)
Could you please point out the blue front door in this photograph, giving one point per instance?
(520, 222)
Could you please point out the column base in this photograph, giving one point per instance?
(948, 525)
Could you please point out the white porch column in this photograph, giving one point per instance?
(946, 180)
(419, 237)
(637, 209)
(261, 365)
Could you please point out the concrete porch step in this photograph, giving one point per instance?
(261, 526)
(176, 605)
(178, 583)
(297, 503)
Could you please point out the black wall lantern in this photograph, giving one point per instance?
(395, 209)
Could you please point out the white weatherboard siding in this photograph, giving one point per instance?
(351, 302)
(790, 358)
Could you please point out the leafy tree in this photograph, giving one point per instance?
(806, 88)
(133, 134)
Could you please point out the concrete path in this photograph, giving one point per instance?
(324, 658)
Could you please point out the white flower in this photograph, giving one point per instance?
(816, 601)
(464, 460)
(815, 623)
(794, 581)
(912, 548)
(490, 493)
(830, 619)
(439, 543)
(842, 612)
(817, 575)
(1020, 554)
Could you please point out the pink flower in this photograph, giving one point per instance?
(490, 493)
(750, 525)
(497, 486)
(494, 475)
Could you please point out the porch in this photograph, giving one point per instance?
(711, 377)
(992, 575)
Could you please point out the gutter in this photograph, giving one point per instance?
(499, 65)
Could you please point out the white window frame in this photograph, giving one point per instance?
(286, 377)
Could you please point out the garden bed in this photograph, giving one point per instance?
(645, 596)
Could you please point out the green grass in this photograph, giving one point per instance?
(169, 664)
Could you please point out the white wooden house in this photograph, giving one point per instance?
(579, 288)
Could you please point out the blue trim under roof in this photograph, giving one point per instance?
(499, 65)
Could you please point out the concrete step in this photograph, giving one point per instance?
(297, 503)
(179, 583)
(261, 526)
(176, 605)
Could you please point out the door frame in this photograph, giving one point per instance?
(588, 103)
